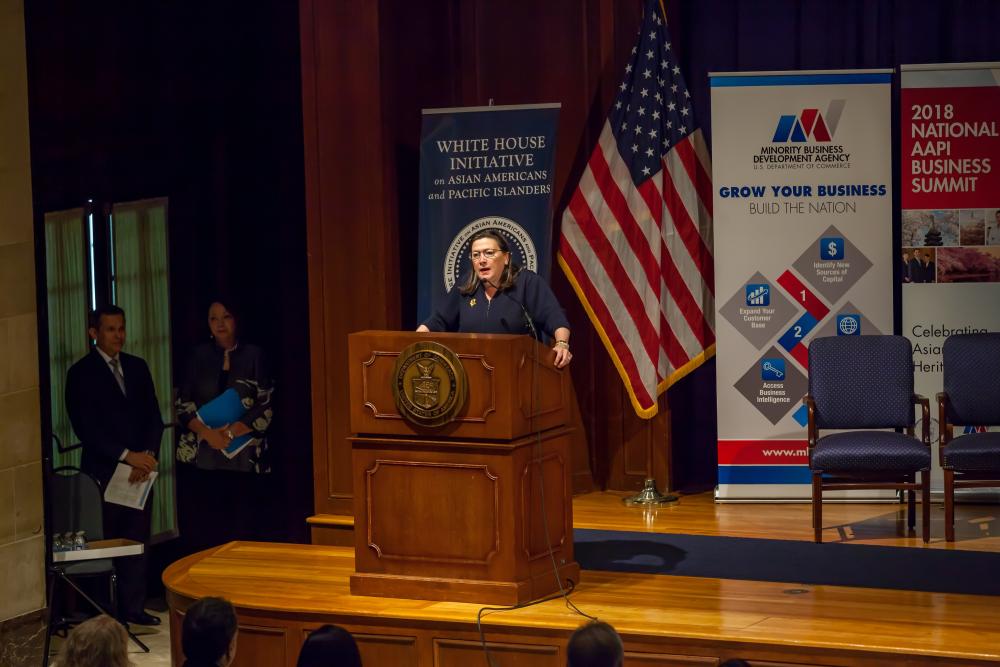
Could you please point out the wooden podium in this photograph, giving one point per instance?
(478, 509)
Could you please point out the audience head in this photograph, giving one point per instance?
(595, 644)
(735, 662)
(98, 642)
(329, 646)
(208, 636)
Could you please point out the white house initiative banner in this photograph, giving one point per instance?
(802, 171)
(483, 168)
(950, 145)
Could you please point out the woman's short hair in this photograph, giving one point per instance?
(98, 642)
(329, 645)
(209, 628)
(595, 644)
(510, 271)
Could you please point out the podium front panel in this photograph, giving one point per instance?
(463, 521)
(513, 388)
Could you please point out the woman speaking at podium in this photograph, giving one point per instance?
(501, 297)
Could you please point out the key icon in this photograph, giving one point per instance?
(772, 370)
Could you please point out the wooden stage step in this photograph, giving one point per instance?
(283, 591)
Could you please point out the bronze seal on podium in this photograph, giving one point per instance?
(429, 384)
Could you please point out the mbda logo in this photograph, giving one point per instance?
(810, 124)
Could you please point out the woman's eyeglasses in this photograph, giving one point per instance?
(489, 253)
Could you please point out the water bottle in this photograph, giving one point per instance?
(57, 543)
(80, 541)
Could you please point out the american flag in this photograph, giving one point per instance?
(636, 240)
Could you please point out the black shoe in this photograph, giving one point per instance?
(142, 618)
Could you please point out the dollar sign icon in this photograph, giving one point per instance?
(832, 248)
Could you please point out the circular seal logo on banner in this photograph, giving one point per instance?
(522, 248)
(429, 384)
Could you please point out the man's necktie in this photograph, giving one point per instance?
(116, 368)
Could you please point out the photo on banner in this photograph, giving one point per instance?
(483, 168)
(802, 173)
(950, 156)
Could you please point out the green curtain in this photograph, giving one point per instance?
(66, 286)
(140, 279)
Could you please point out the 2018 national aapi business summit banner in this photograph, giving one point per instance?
(950, 158)
(483, 168)
(802, 171)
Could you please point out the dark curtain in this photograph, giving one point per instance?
(755, 35)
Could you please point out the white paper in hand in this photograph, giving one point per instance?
(121, 492)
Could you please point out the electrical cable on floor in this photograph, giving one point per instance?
(564, 591)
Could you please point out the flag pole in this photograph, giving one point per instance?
(650, 496)
(648, 180)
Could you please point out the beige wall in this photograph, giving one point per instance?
(22, 546)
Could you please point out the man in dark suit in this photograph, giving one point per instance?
(112, 405)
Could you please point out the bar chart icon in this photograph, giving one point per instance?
(758, 294)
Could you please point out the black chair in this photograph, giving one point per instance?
(77, 505)
(863, 383)
(971, 397)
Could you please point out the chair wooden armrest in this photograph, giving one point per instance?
(925, 417)
(944, 428)
(812, 431)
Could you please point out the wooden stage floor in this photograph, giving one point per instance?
(976, 526)
(283, 591)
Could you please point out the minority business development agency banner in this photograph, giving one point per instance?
(483, 168)
(802, 171)
(950, 157)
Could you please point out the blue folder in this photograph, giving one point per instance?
(226, 408)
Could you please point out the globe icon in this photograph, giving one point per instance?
(848, 326)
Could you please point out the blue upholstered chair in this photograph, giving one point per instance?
(861, 384)
(971, 397)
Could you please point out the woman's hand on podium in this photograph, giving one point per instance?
(563, 355)
(560, 346)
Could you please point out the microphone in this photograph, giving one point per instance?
(527, 316)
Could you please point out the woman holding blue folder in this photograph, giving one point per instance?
(224, 411)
